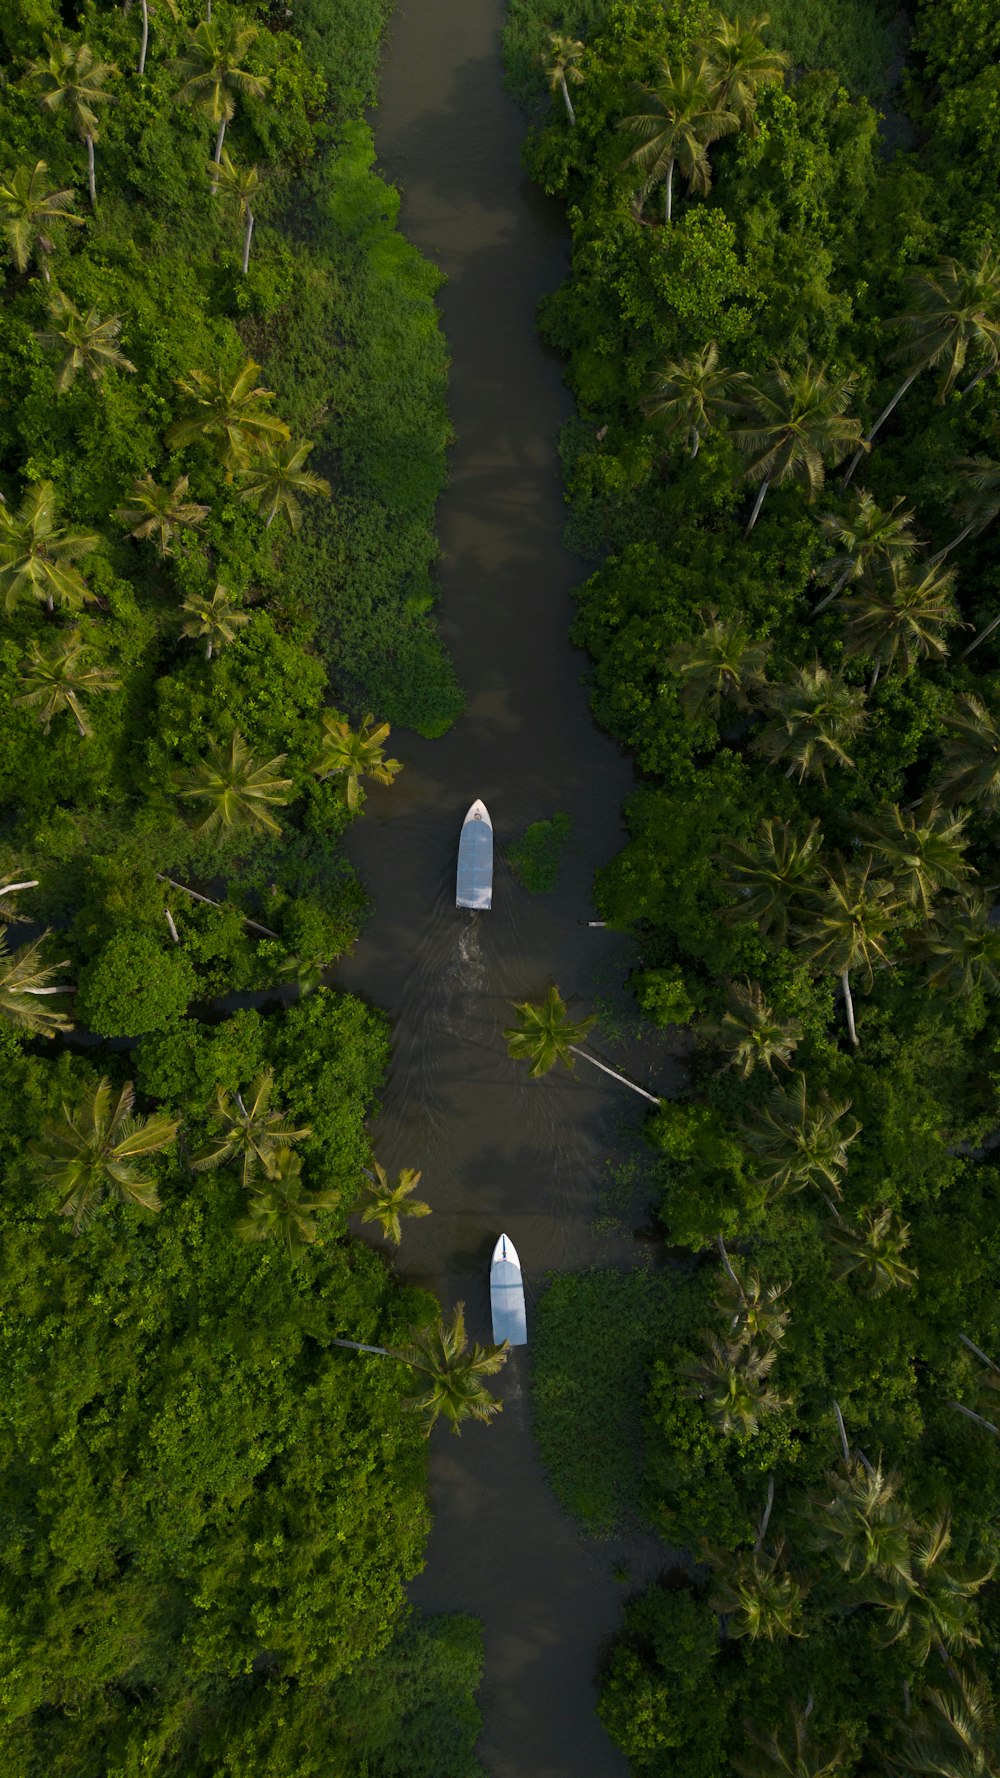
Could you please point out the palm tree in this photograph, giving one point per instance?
(772, 876)
(545, 1035)
(29, 209)
(724, 662)
(864, 1526)
(925, 853)
(449, 1371)
(353, 754)
(730, 1379)
(814, 714)
(561, 62)
(278, 1207)
(91, 1152)
(743, 64)
(25, 980)
(953, 1734)
(963, 947)
(798, 1143)
(751, 1033)
(971, 771)
(392, 1202)
(955, 311)
(800, 1758)
(55, 679)
(10, 888)
(213, 621)
(754, 1311)
(757, 1595)
(690, 395)
(981, 474)
(212, 75)
(796, 425)
(273, 480)
(872, 1246)
(160, 512)
(855, 915)
(74, 81)
(235, 788)
(227, 410)
(897, 621)
(681, 116)
(37, 556)
(86, 342)
(238, 187)
(252, 1134)
(937, 1609)
(867, 535)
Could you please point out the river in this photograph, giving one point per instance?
(498, 1151)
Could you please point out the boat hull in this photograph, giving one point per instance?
(474, 881)
(507, 1295)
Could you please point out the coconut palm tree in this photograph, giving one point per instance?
(743, 64)
(74, 81)
(850, 927)
(25, 987)
(730, 1379)
(29, 211)
(938, 1608)
(798, 1141)
(681, 116)
(872, 1246)
(10, 888)
(545, 1035)
(689, 396)
(814, 715)
(274, 479)
(796, 424)
(251, 1133)
(55, 679)
(772, 1756)
(449, 1372)
(867, 535)
(772, 876)
(561, 62)
(724, 662)
(753, 1311)
(238, 187)
(38, 557)
(757, 1595)
(160, 512)
(236, 788)
(750, 1033)
(276, 1207)
(392, 1202)
(212, 76)
(979, 508)
(963, 948)
(353, 754)
(924, 852)
(897, 619)
(863, 1525)
(85, 342)
(213, 621)
(954, 1733)
(90, 1152)
(228, 411)
(971, 766)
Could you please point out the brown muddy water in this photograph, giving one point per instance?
(498, 1151)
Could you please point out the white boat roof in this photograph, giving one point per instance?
(507, 1294)
(474, 885)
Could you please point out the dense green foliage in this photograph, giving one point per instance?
(534, 858)
(784, 343)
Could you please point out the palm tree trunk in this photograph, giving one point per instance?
(695, 448)
(12, 888)
(758, 503)
(842, 1429)
(833, 594)
(849, 1008)
(980, 377)
(765, 1521)
(570, 113)
(255, 925)
(91, 172)
(727, 1262)
(615, 1075)
(144, 44)
(962, 535)
(669, 201)
(990, 627)
(978, 1418)
(356, 1346)
(217, 157)
(246, 241)
(884, 415)
(171, 928)
(964, 1338)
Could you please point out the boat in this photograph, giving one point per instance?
(507, 1295)
(474, 888)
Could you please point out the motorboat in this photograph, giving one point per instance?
(507, 1295)
(474, 887)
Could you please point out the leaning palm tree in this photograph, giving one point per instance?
(798, 1141)
(689, 396)
(228, 411)
(449, 1372)
(390, 1203)
(772, 1756)
(724, 663)
(850, 927)
(898, 619)
(871, 1247)
(25, 987)
(212, 75)
(730, 1378)
(750, 1033)
(237, 790)
(938, 1608)
(55, 679)
(29, 211)
(861, 1522)
(773, 876)
(754, 1311)
(545, 1034)
(680, 117)
(91, 1151)
(38, 557)
(274, 479)
(10, 888)
(352, 754)
(814, 715)
(561, 62)
(962, 946)
(160, 512)
(84, 342)
(74, 81)
(925, 852)
(238, 188)
(757, 1595)
(277, 1209)
(971, 766)
(743, 64)
(867, 535)
(250, 1132)
(954, 1734)
(213, 621)
(796, 424)
(981, 506)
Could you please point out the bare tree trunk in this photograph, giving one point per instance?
(727, 1262)
(765, 1521)
(356, 1346)
(980, 377)
(669, 200)
(91, 173)
(246, 241)
(962, 535)
(978, 1418)
(828, 598)
(758, 503)
(207, 899)
(965, 1342)
(144, 44)
(990, 627)
(12, 888)
(653, 1100)
(849, 1007)
(841, 1428)
(208, 649)
(171, 928)
(570, 113)
(884, 415)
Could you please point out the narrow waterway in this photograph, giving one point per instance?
(497, 1150)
